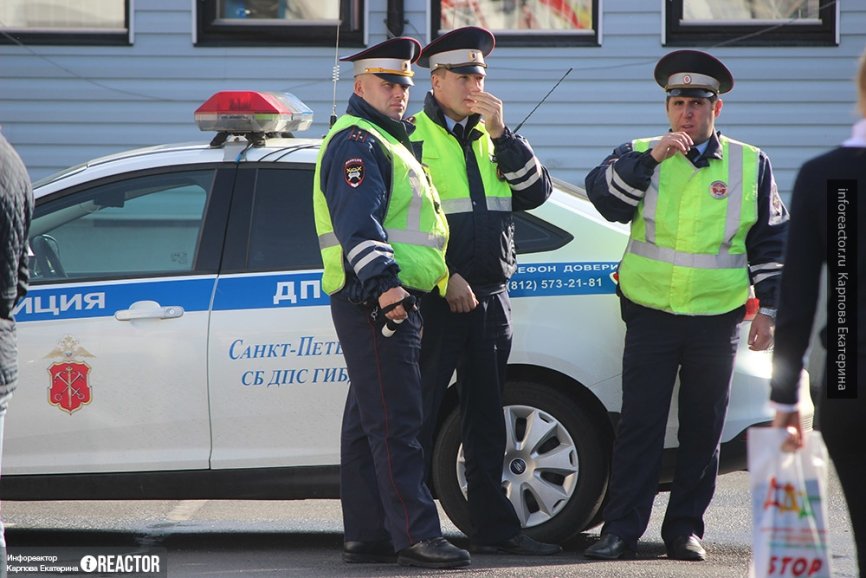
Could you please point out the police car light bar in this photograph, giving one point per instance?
(245, 112)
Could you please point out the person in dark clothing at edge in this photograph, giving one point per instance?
(482, 172)
(16, 211)
(814, 239)
(706, 223)
(383, 237)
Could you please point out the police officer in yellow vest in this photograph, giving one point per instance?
(383, 236)
(483, 172)
(706, 224)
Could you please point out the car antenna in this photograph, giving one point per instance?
(540, 102)
(335, 76)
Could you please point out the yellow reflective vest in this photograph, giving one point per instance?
(687, 249)
(417, 229)
(444, 158)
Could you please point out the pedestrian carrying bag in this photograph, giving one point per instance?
(790, 538)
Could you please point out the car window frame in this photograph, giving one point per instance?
(239, 228)
(211, 234)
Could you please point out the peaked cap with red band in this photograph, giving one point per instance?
(693, 73)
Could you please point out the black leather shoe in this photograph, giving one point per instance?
(686, 548)
(433, 553)
(368, 552)
(521, 545)
(609, 547)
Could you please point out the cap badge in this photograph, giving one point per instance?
(687, 79)
(473, 56)
(719, 189)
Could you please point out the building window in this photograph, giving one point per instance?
(522, 22)
(751, 22)
(279, 22)
(99, 22)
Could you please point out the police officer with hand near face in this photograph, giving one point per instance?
(706, 223)
(482, 172)
(383, 236)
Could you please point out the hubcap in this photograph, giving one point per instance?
(541, 464)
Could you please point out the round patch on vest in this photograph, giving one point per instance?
(354, 169)
(719, 189)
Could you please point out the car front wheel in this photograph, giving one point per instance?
(556, 463)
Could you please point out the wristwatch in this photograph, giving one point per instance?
(768, 311)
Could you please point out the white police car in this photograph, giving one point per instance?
(176, 343)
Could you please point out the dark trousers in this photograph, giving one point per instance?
(477, 344)
(382, 488)
(843, 425)
(659, 345)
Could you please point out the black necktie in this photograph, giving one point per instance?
(458, 132)
(693, 154)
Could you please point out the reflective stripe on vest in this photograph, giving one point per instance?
(451, 206)
(445, 159)
(416, 228)
(686, 252)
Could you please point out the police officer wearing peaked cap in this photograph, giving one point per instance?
(482, 172)
(382, 236)
(706, 224)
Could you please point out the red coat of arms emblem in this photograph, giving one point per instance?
(70, 378)
(69, 387)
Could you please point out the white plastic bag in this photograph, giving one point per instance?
(790, 538)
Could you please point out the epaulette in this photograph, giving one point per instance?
(358, 134)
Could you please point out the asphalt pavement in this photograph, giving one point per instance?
(302, 539)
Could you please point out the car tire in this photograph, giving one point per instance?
(557, 485)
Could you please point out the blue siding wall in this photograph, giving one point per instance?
(62, 105)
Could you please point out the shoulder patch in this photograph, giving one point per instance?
(354, 171)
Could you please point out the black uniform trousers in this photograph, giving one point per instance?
(382, 488)
(658, 345)
(477, 344)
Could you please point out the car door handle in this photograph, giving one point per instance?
(148, 310)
